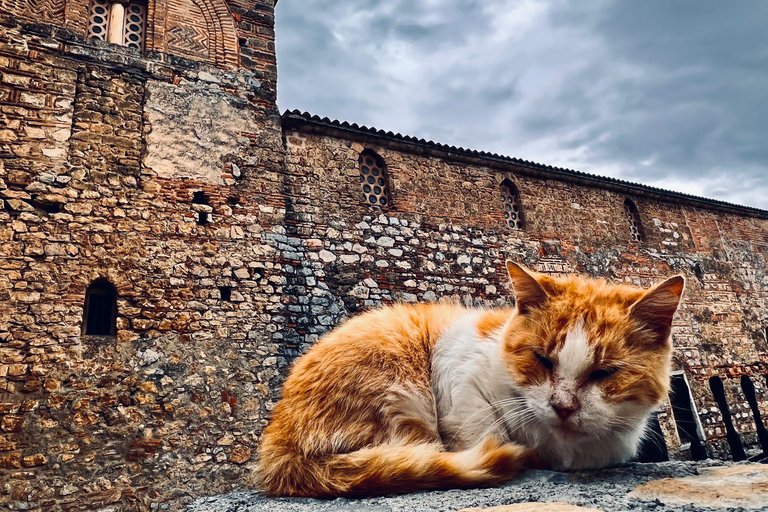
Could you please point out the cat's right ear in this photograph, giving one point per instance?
(528, 292)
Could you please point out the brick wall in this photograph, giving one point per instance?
(444, 236)
(103, 151)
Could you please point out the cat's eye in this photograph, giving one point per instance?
(602, 373)
(545, 361)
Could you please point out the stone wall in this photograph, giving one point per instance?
(103, 151)
(444, 237)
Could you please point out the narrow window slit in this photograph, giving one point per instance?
(733, 438)
(203, 216)
(683, 411)
(100, 311)
(748, 387)
(226, 293)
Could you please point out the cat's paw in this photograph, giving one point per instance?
(505, 460)
(533, 461)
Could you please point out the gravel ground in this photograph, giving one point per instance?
(605, 489)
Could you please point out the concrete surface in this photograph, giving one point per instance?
(668, 486)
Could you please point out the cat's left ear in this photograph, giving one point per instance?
(657, 307)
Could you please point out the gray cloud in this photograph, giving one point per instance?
(670, 94)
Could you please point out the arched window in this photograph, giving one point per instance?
(118, 22)
(100, 312)
(633, 219)
(373, 179)
(732, 436)
(510, 202)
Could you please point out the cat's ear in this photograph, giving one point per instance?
(528, 292)
(656, 309)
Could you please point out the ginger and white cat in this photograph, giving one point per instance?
(440, 396)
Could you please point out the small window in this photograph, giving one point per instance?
(203, 212)
(98, 20)
(134, 28)
(100, 313)
(510, 202)
(633, 219)
(373, 179)
(130, 21)
(225, 292)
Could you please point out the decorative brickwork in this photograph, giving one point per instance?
(201, 30)
(235, 238)
(41, 10)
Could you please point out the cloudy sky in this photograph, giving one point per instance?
(671, 93)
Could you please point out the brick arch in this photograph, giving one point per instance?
(195, 29)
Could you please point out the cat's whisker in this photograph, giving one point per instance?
(508, 417)
(494, 409)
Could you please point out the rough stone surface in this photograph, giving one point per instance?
(736, 486)
(632, 487)
(533, 507)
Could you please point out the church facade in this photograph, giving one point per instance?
(169, 243)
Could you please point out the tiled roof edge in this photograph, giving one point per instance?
(541, 169)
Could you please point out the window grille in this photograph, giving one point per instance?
(98, 20)
(100, 312)
(135, 21)
(373, 179)
(633, 219)
(118, 23)
(510, 202)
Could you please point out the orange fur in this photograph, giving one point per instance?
(642, 352)
(328, 437)
(358, 415)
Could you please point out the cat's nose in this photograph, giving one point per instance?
(565, 411)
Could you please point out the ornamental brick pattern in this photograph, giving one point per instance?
(235, 238)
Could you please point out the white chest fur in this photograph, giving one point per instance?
(468, 378)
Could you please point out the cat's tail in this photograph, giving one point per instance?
(388, 469)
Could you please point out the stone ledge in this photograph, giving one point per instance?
(668, 486)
